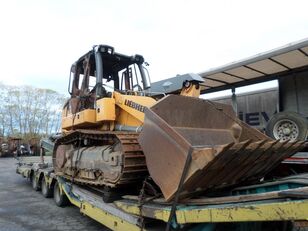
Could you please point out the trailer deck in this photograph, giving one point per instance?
(284, 200)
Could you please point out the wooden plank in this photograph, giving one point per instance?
(293, 194)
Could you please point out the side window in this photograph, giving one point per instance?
(108, 85)
(130, 78)
(70, 84)
(81, 78)
(92, 82)
(137, 80)
(125, 76)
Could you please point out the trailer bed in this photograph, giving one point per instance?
(285, 201)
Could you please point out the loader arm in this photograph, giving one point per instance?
(130, 109)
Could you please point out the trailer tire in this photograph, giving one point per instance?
(35, 183)
(45, 189)
(289, 126)
(60, 199)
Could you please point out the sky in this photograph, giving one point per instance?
(40, 39)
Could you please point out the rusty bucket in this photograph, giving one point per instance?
(225, 151)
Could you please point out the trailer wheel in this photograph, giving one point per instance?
(60, 199)
(35, 183)
(287, 126)
(46, 190)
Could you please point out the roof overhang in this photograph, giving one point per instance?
(260, 68)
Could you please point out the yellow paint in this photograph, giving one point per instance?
(293, 210)
(80, 119)
(36, 176)
(128, 115)
(162, 215)
(120, 109)
(158, 214)
(101, 216)
(48, 180)
(25, 172)
(105, 109)
(274, 211)
(123, 109)
(107, 219)
(124, 118)
(133, 209)
(71, 199)
(192, 91)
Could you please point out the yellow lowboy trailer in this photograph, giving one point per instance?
(282, 207)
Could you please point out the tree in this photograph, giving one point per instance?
(27, 111)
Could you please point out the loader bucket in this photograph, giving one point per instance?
(225, 151)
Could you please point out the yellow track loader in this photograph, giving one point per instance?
(117, 130)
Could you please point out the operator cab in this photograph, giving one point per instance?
(101, 71)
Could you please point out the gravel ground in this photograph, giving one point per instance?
(23, 209)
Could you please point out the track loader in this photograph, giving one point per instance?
(117, 130)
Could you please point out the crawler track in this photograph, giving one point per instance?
(130, 165)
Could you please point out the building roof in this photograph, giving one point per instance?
(263, 67)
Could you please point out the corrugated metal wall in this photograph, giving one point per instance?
(255, 108)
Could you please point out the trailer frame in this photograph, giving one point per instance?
(129, 214)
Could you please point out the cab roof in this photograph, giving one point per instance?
(112, 61)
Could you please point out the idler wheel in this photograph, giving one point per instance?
(61, 155)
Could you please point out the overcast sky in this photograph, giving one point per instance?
(41, 39)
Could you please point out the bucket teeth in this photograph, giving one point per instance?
(225, 151)
(243, 156)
